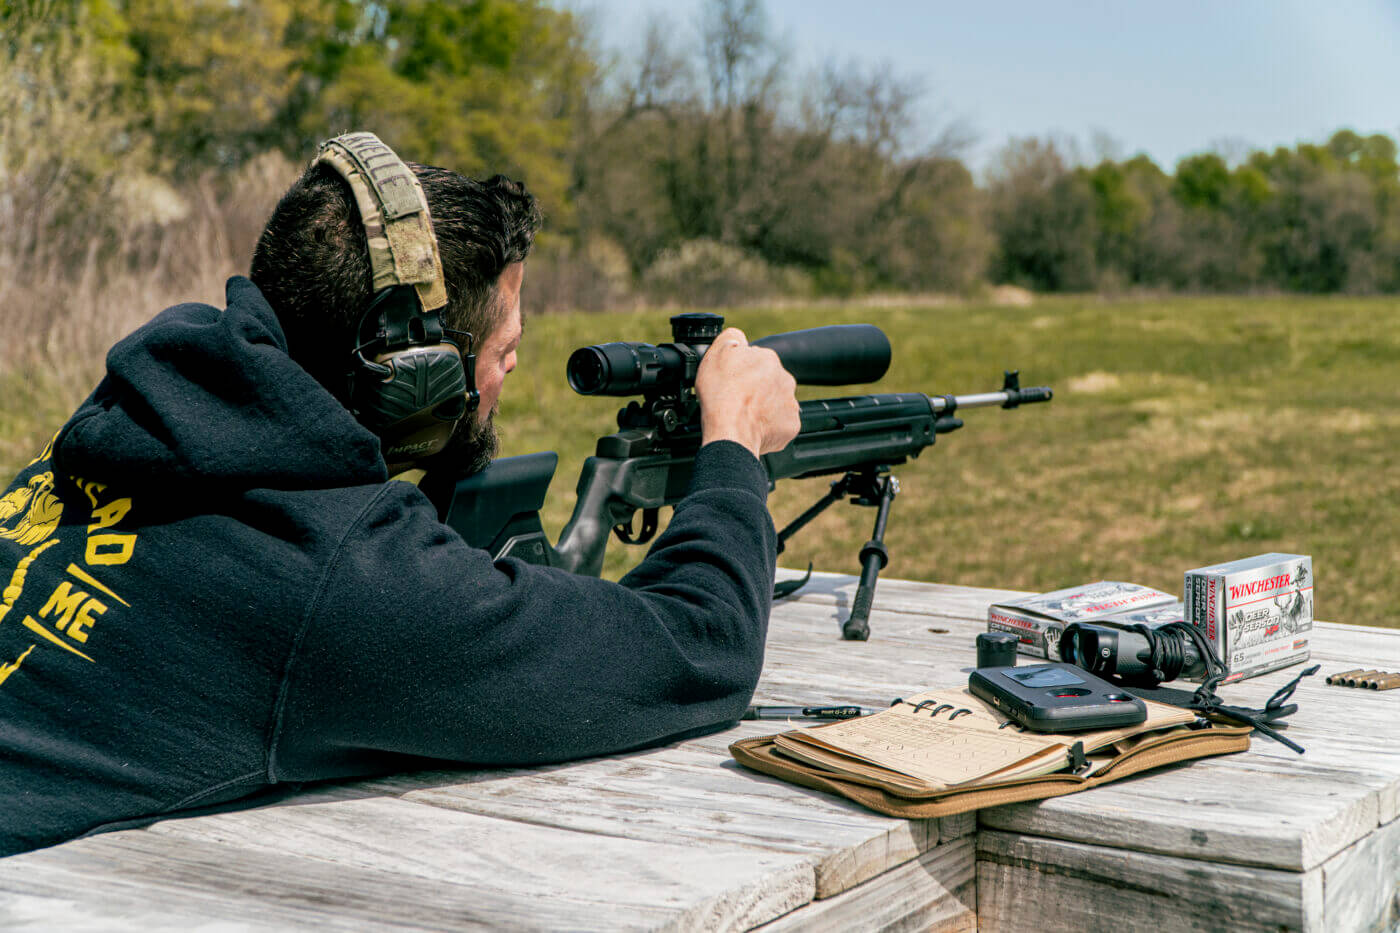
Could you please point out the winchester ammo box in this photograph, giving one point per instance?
(1151, 616)
(1257, 612)
(1039, 620)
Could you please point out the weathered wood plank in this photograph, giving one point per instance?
(679, 795)
(1226, 813)
(1025, 883)
(937, 892)
(1267, 807)
(691, 793)
(931, 599)
(615, 882)
(1372, 758)
(808, 661)
(1361, 886)
(139, 881)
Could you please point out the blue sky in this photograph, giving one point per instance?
(1168, 79)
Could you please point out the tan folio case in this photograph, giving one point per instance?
(946, 752)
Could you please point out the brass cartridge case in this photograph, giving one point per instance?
(1354, 680)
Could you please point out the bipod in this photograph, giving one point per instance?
(872, 486)
(880, 492)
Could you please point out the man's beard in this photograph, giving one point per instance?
(469, 450)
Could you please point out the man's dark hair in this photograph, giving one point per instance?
(312, 260)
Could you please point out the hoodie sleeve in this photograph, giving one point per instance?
(417, 645)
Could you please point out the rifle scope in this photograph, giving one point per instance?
(836, 355)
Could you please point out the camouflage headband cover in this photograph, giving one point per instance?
(402, 248)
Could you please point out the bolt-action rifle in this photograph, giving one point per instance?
(647, 464)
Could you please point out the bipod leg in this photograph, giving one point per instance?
(838, 489)
(873, 558)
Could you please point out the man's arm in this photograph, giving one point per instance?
(418, 645)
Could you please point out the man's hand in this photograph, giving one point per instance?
(746, 396)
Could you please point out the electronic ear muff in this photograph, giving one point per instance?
(411, 379)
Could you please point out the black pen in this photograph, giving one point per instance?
(804, 712)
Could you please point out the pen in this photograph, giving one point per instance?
(804, 712)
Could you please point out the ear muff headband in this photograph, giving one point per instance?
(402, 248)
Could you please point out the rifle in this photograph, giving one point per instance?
(647, 463)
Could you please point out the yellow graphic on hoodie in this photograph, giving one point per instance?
(30, 513)
(7, 669)
(68, 616)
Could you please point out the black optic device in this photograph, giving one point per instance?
(1141, 655)
(1056, 698)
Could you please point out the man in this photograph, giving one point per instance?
(213, 588)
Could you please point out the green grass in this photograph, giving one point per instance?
(1183, 432)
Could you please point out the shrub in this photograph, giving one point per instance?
(705, 273)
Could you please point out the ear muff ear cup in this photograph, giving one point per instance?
(415, 405)
(411, 397)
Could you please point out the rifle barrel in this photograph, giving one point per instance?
(1004, 399)
(841, 433)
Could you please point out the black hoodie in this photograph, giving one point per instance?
(210, 587)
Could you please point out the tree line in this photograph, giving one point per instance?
(1313, 218)
(705, 168)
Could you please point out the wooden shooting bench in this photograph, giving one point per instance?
(681, 838)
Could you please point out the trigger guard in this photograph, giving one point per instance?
(650, 518)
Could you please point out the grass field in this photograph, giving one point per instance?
(1183, 432)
